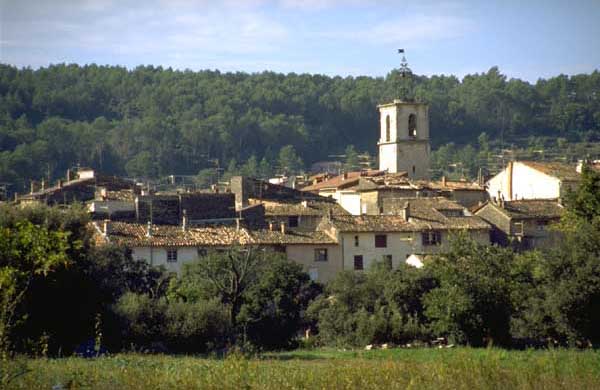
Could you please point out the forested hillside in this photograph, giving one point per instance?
(150, 122)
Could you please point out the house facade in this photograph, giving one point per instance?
(533, 180)
(523, 224)
(409, 227)
(172, 246)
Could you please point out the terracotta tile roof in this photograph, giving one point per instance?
(128, 195)
(424, 214)
(533, 209)
(275, 237)
(436, 213)
(339, 182)
(452, 185)
(556, 169)
(67, 185)
(134, 235)
(371, 223)
(388, 180)
(309, 207)
(401, 181)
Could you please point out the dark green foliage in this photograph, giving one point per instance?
(153, 121)
(472, 304)
(175, 326)
(273, 310)
(265, 295)
(373, 307)
(561, 298)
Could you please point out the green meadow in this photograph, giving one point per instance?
(459, 368)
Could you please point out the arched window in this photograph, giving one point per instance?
(387, 128)
(412, 125)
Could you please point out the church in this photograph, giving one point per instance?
(404, 138)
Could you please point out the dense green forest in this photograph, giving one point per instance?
(150, 121)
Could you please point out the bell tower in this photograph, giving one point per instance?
(404, 135)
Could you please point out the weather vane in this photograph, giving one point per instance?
(405, 73)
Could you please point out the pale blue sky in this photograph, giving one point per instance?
(526, 39)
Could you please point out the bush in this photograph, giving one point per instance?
(265, 303)
(373, 307)
(472, 304)
(175, 326)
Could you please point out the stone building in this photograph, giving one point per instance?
(171, 246)
(404, 138)
(76, 186)
(524, 224)
(408, 226)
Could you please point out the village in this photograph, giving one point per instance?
(328, 223)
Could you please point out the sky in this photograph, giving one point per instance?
(526, 39)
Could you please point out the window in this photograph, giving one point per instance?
(356, 242)
(293, 221)
(171, 255)
(358, 262)
(518, 229)
(414, 169)
(387, 260)
(387, 128)
(431, 238)
(412, 125)
(201, 252)
(320, 254)
(380, 241)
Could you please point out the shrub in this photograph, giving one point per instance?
(376, 306)
(175, 326)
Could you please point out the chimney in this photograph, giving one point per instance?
(69, 175)
(32, 187)
(304, 203)
(149, 229)
(480, 177)
(60, 183)
(237, 224)
(282, 227)
(184, 221)
(43, 185)
(270, 226)
(106, 227)
(344, 176)
(502, 201)
(444, 181)
(509, 178)
(406, 212)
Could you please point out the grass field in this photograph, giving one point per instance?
(460, 368)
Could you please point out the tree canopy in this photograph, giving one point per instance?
(151, 121)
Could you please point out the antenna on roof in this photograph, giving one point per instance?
(405, 74)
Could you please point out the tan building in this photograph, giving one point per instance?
(404, 138)
(417, 226)
(171, 246)
(524, 224)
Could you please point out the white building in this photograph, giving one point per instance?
(533, 180)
